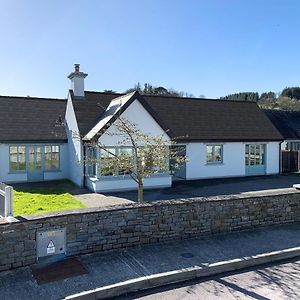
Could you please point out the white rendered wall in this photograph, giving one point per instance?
(126, 183)
(77, 85)
(6, 176)
(233, 161)
(137, 114)
(272, 158)
(75, 150)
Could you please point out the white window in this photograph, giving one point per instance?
(51, 158)
(114, 161)
(17, 158)
(214, 154)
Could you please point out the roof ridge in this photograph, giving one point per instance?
(105, 93)
(33, 98)
(199, 99)
(168, 97)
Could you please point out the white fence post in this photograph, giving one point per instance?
(9, 201)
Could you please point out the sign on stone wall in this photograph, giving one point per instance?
(51, 242)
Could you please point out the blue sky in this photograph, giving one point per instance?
(211, 47)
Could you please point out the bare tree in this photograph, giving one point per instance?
(141, 154)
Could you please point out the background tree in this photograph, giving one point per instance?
(287, 99)
(110, 91)
(150, 154)
(149, 90)
(291, 92)
(245, 96)
(267, 95)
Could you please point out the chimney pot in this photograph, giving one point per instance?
(77, 81)
(77, 67)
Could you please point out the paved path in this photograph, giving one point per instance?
(99, 200)
(276, 282)
(113, 267)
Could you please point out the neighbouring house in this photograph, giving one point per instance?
(288, 124)
(42, 139)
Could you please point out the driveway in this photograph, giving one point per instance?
(216, 187)
(180, 189)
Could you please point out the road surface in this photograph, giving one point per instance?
(279, 281)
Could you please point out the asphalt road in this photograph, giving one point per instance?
(280, 281)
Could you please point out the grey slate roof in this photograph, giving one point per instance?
(89, 109)
(190, 119)
(26, 119)
(286, 122)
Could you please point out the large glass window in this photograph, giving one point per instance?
(91, 161)
(51, 157)
(113, 161)
(108, 162)
(125, 160)
(17, 158)
(214, 154)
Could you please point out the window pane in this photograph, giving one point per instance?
(38, 158)
(55, 161)
(91, 161)
(13, 157)
(17, 158)
(247, 155)
(214, 153)
(252, 158)
(108, 162)
(209, 153)
(262, 155)
(257, 154)
(55, 149)
(31, 158)
(51, 156)
(218, 154)
(22, 158)
(47, 149)
(125, 160)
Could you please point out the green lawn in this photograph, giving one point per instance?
(37, 201)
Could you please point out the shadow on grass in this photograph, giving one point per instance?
(56, 187)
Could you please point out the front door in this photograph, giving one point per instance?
(35, 170)
(255, 159)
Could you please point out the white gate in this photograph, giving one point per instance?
(6, 200)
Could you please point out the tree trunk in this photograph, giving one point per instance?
(140, 192)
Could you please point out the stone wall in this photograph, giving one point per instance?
(90, 230)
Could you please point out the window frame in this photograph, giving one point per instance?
(18, 160)
(51, 158)
(214, 161)
(116, 173)
(252, 157)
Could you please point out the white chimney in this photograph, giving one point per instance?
(77, 81)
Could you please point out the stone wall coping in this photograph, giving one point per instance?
(130, 206)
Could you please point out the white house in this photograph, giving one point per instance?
(42, 139)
